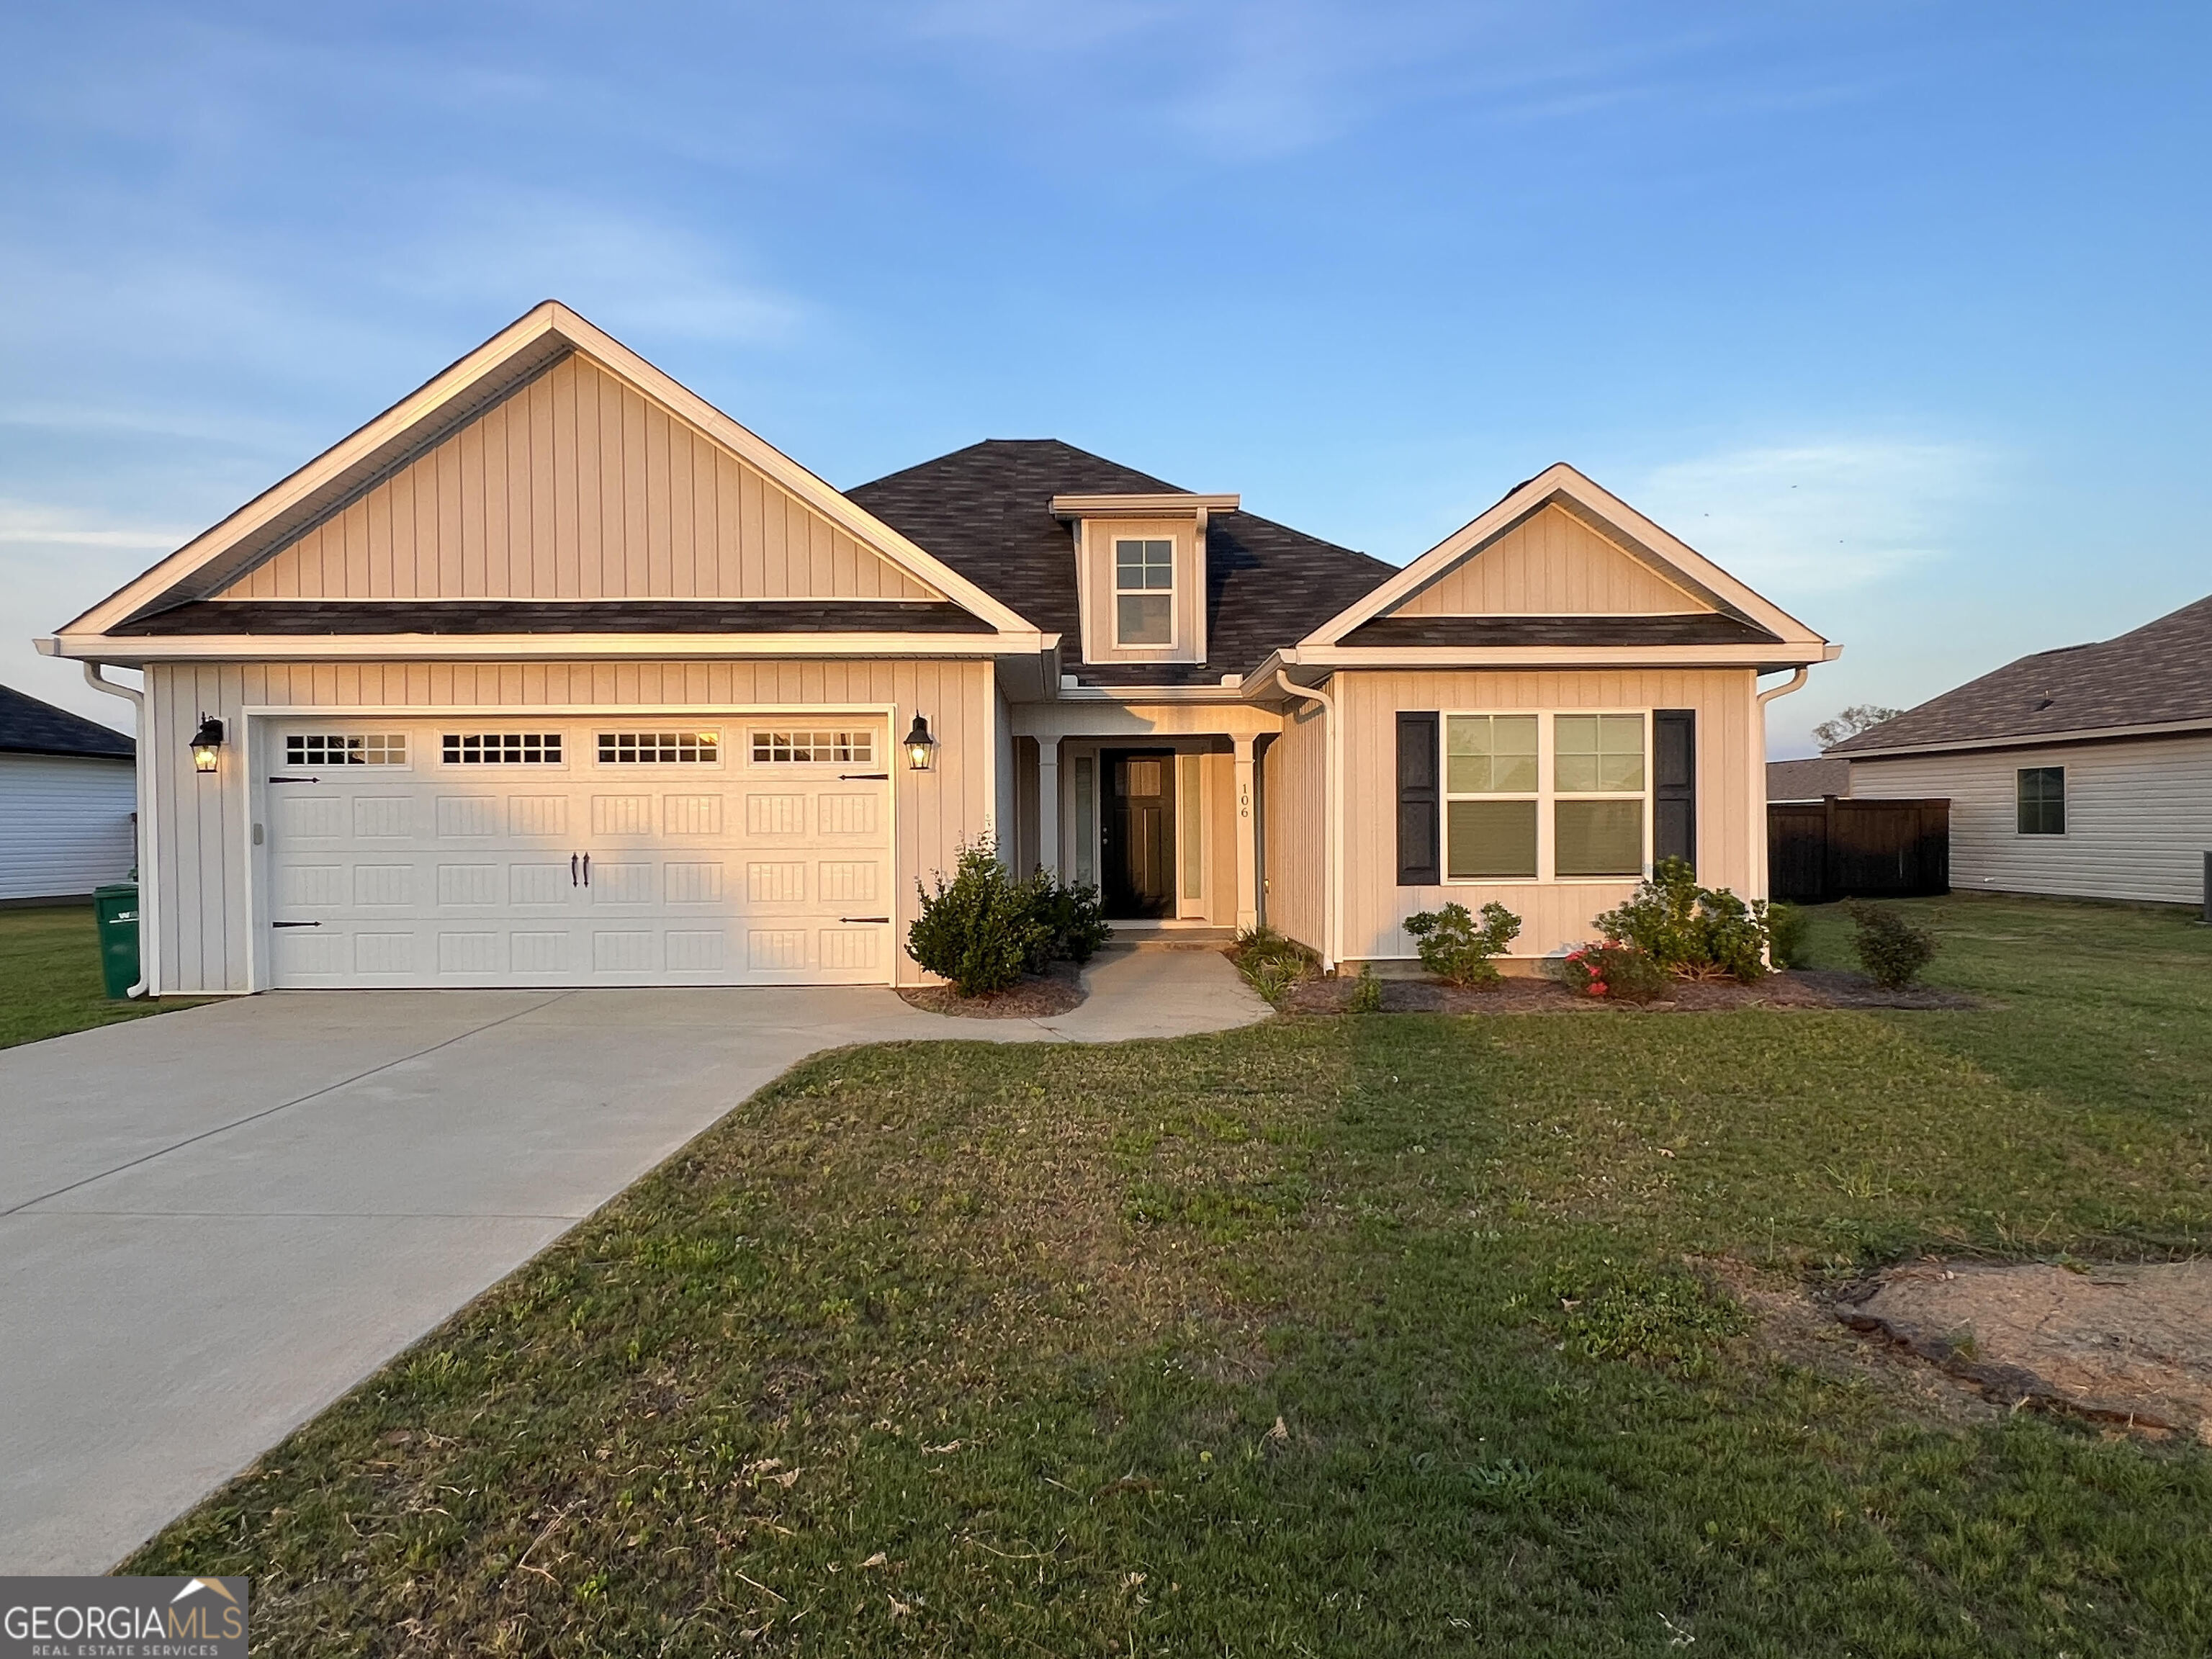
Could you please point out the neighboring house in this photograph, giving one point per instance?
(2085, 771)
(68, 801)
(1808, 780)
(554, 674)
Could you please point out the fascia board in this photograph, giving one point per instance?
(538, 648)
(1560, 479)
(422, 407)
(394, 422)
(1762, 657)
(818, 493)
(2029, 740)
(1172, 506)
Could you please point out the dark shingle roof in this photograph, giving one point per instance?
(1701, 629)
(1808, 780)
(28, 726)
(986, 511)
(319, 617)
(2158, 675)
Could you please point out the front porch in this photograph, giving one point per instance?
(1155, 803)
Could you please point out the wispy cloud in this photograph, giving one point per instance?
(1820, 517)
(621, 269)
(24, 524)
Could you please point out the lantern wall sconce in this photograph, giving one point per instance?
(921, 747)
(207, 744)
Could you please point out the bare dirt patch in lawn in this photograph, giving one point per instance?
(1039, 996)
(1796, 988)
(2129, 1344)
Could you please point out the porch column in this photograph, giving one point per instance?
(1247, 842)
(1048, 805)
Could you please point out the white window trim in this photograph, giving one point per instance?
(1547, 795)
(2065, 805)
(1115, 590)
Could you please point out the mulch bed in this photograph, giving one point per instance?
(1796, 988)
(1039, 996)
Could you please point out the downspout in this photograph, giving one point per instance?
(1795, 683)
(1333, 831)
(142, 762)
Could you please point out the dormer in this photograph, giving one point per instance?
(1140, 573)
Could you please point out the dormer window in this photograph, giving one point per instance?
(1144, 591)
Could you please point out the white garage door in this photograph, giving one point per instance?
(557, 851)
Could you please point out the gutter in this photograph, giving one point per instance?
(140, 777)
(1333, 792)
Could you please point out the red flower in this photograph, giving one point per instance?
(1597, 987)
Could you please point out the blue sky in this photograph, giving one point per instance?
(1897, 310)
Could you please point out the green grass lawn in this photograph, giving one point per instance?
(1366, 1336)
(50, 976)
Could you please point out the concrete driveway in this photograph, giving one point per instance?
(214, 1223)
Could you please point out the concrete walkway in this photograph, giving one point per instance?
(214, 1223)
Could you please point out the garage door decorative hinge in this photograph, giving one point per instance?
(864, 918)
(295, 779)
(864, 777)
(295, 924)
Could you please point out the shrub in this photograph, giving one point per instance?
(1272, 962)
(1696, 931)
(1890, 950)
(1367, 995)
(1786, 928)
(979, 929)
(1455, 949)
(1073, 915)
(1624, 973)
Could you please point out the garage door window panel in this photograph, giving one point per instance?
(502, 748)
(661, 748)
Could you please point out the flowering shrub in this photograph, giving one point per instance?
(1455, 949)
(1700, 933)
(1624, 973)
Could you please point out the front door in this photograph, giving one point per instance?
(1137, 835)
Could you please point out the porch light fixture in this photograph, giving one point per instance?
(921, 747)
(207, 744)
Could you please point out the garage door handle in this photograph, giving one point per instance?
(864, 777)
(572, 869)
(587, 869)
(864, 918)
(295, 924)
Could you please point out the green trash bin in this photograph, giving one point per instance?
(116, 909)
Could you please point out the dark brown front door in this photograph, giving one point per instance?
(1137, 840)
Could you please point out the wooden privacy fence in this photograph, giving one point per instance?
(1819, 850)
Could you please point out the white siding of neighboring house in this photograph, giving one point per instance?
(2138, 817)
(65, 824)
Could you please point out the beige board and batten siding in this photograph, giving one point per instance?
(1099, 608)
(2138, 817)
(577, 486)
(1551, 564)
(1294, 828)
(204, 920)
(1731, 794)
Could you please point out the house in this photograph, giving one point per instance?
(1808, 780)
(554, 674)
(2085, 771)
(68, 794)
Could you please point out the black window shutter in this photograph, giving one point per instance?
(1417, 800)
(1674, 784)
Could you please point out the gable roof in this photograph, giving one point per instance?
(527, 349)
(987, 512)
(1738, 617)
(28, 726)
(2157, 676)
